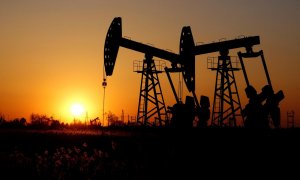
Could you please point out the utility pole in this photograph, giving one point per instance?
(104, 84)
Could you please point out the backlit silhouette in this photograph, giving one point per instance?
(226, 104)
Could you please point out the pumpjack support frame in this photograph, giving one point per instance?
(226, 105)
(151, 100)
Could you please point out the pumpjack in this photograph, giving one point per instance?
(184, 62)
(151, 101)
(224, 93)
(150, 90)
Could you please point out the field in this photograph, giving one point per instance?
(145, 153)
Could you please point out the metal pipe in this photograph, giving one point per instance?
(243, 68)
(265, 68)
(172, 85)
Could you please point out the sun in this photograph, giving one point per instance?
(77, 110)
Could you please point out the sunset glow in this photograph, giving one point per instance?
(53, 50)
(139, 89)
(77, 110)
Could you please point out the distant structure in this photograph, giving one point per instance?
(123, 116)
(95, 122)
(86, 118)
(290, 119)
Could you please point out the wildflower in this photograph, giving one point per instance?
(84, 145)
(69, 150)
(85, 155)
(58, 163)
(113, 145)
(46, 153)
(77, 150)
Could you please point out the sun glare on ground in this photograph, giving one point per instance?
(77, 110)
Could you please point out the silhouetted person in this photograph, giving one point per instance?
(183, 114)
(255, 115)
(189, 112)
(272, 104)
(177, 114)
(204, 112)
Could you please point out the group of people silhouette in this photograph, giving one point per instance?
(260, 109)
(183, 114)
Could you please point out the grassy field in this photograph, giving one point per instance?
(144, 153)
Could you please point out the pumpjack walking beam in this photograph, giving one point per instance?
(114, 40)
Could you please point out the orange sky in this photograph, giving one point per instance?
(51, 52)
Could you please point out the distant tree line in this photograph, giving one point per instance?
(37, 121)
(42, 121)
(15, 123)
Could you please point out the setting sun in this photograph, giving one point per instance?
(77, 110)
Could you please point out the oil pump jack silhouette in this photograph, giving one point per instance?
(226, 105)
